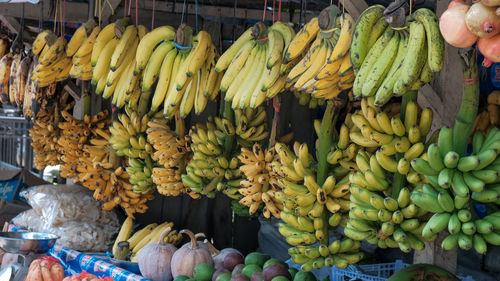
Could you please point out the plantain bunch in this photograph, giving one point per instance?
(172, 153)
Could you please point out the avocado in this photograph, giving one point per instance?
(256, 258)
(257, 276)
(181, 278)
(223, 277)
(271, 261)
(280, 278)
(276, 269)
(204, 272)
(239, 277)
(250, 269)
(237, 269)
(304, 276)
(292, 272)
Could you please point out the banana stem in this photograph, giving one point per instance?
(143, 103)
(180, 128)
(229, 115)
(113, 158)
(85, 99)
(399, 180)
(470, 101)
(325, 141)
(274, 127)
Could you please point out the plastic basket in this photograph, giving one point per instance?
(373, 272)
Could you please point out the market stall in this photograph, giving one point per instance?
(305, 140)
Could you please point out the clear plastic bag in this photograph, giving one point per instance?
(58, 204)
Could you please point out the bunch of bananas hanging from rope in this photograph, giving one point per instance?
(392, 61)
(45, 134)
(172, 153)
(216, 145)
(128, 138)
(52, 63)
(96, 172)
(14, 77)
(306, 204)
(321, 48)
(79, 50)
(74, 135)
(456, 183)
(260, 181)
(253, 65)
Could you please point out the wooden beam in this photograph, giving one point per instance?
(14, 26)
(219, 12)
(354, 7)
(75, 11)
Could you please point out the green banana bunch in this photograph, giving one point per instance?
(455, 184)
(391, 62)
(128, 138)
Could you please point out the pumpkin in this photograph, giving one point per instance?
(45, 269)
(154, 259)
(189, 256)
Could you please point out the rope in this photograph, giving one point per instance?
(196, 12)
(129, 6)
(264, 12)
(183, 10)
(273, 9)
(40, 19)
(63, 18)
(263, 39)
(180, 47)
(136, 13)
(111, 7)
(411, 6)
(279, 10)
(125, 9)
(55, 16)
(95, 8)
(153, 16)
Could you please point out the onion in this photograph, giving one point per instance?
(455, 3)
(490, 48)
(483, 20)
(453, 27)
(491, 3)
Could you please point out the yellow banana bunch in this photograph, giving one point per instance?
(392, 62)
(5, 65)
(187, 76)
(151, 234)
(172, 153)
(324, 68)
(253, 72)
(53, 64)
(261, 182)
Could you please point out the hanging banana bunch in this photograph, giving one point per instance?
(172, 153)
(392, 61)
(321, 49)
(79, 49)
(52, 63)
(253, 71)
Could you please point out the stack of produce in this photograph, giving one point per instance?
(172, 153)
(127, 244)
(128, 138)
(79, 49)
(261, 181)
(389, 62)
(252, 65)
(490, 117)
(74, 134)
(230, 264)
(463, 24)
(324, 68)
(45, 133)
(216, 145)
(52, 63)
(456, 184)
(389, 219)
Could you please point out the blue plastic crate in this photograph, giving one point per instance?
(373, 272)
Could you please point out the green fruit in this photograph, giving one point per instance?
(304, 276)
(461, 201)
(256, 258)
(224, 277)
(464, 241)
(181, 278)
(454, 224)
(445, 178)
(451, 160)
(464, 215)
(271, 261)
(479, 244)
(280, 278)
(436, 224)
(469, 228)
(203, 272)
(292, 272)
(450, 242)
(483, 226)
(250, 269)
(416, 271)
